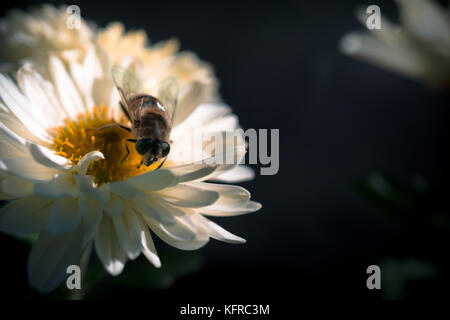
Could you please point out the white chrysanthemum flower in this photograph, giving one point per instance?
(68, 183)
(43, 31)
(419, 48)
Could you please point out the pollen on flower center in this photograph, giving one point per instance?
(82, 135)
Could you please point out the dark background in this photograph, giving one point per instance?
(279, 66)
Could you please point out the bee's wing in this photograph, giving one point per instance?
(168, 95)
(127, 84)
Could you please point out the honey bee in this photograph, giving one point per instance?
(151, 117)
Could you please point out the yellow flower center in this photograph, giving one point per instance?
(80, 136)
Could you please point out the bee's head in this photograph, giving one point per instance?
(152, 150)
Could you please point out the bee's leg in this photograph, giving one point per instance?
(124, 109)
(140, 164)
(115, 124)
(128, 150)
(161, 164)
(110, 125)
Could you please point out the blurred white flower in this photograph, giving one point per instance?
(419, 48)
(43, 31)
(68, 183)
(160, 60)
(40, 32)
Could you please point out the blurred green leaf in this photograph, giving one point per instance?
(412, 203)
(28, 238)
(398, 276)
(383, 193)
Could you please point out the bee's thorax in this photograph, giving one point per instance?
(151, 125)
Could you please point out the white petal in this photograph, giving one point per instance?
(129, 232)
(222, 146)
(152, 210)
(18, 104)
(193, 171)
(65, 216)
(25, 216)
(16, 187)
(16, 157)
(103, 88)
(60, 185)
(10, 121)
(50, 257)
(27, 169)
(191, 97)
(90, 209)
(87, 187)
(84, 75)
(250, 206)
(45, 106)
(108, 247)
(237, 153)
(199, 241)
(426, 20)
(91, 212)
(182, 229)
(240, 173)
(185, 195)
(203, 114)
(148, 247)
(124, 190)
(114, 206)
(226, 123)
(67, 92)
(4, 109)
(229, 195)
(230, 149)
(217, 232)
(367, 47)
(84, 162)
(47, 157)
(153, 180)
(12, 145)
